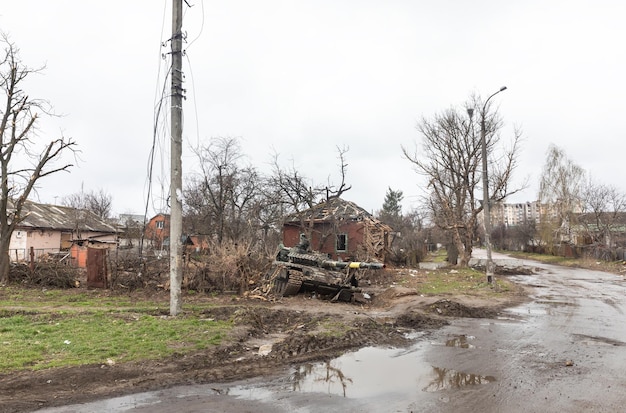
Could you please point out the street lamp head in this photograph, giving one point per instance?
(503, 88)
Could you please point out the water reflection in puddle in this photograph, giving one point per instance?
(371, 372)
(461, 341)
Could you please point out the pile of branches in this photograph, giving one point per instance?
(45, 274)
(226, 268)
(133, 273)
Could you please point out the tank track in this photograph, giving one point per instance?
(294, 283)
(286, 282)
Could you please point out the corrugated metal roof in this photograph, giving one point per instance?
(56, 217)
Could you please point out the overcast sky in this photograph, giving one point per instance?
(303, 77)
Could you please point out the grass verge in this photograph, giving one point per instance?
(61, 328)
(456, 281)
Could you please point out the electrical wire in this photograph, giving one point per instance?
(201, 25)
(160, 98)
(158, 106)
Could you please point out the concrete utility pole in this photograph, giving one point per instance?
(176, 169)
(486, 201)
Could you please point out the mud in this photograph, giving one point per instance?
(297, 329)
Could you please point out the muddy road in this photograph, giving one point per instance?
(564, 350)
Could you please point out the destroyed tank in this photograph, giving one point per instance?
(299, 269)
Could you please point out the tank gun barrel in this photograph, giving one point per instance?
(369, 265)
(330, 264)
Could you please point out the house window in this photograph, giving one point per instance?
(160, 224)
(342, 242)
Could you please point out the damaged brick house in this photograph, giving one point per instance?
(341, 229)
(157, 231)
(157, 235)
(59, 231)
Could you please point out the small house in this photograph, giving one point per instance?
(58, 231)
(341, 229)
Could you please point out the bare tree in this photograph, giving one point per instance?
(331, 190)
(86, 207)
(289, 192)
(222, 199)
(561, 194)
(98, 202)
(450, 160)
(292, 190)
(602, 216)
(294, 193)
(23, 159)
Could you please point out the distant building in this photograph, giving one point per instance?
(157, 231)
(516, 214)
(130, 227)
(130, 220)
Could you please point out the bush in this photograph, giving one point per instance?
(227, 267)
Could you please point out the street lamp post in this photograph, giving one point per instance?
(486, 202)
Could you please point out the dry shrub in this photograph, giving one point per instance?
(46, 274)
(134, 272)
(227, 267)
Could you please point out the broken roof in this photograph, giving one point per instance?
(61, 218)
(335, 209)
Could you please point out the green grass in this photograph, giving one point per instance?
(40, 330)
(11, 296)
(438, 256)
(333, 328)
(616, 267)
(453, 281)
(548, 259)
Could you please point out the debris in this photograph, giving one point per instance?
(255, 296)
(265, 349)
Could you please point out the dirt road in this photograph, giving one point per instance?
(562, 351)
(299, 330)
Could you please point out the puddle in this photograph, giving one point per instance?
(372, 375)
(461, 341)
(556, 303)
(451, 379)
(369, 373)
(529, 309)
